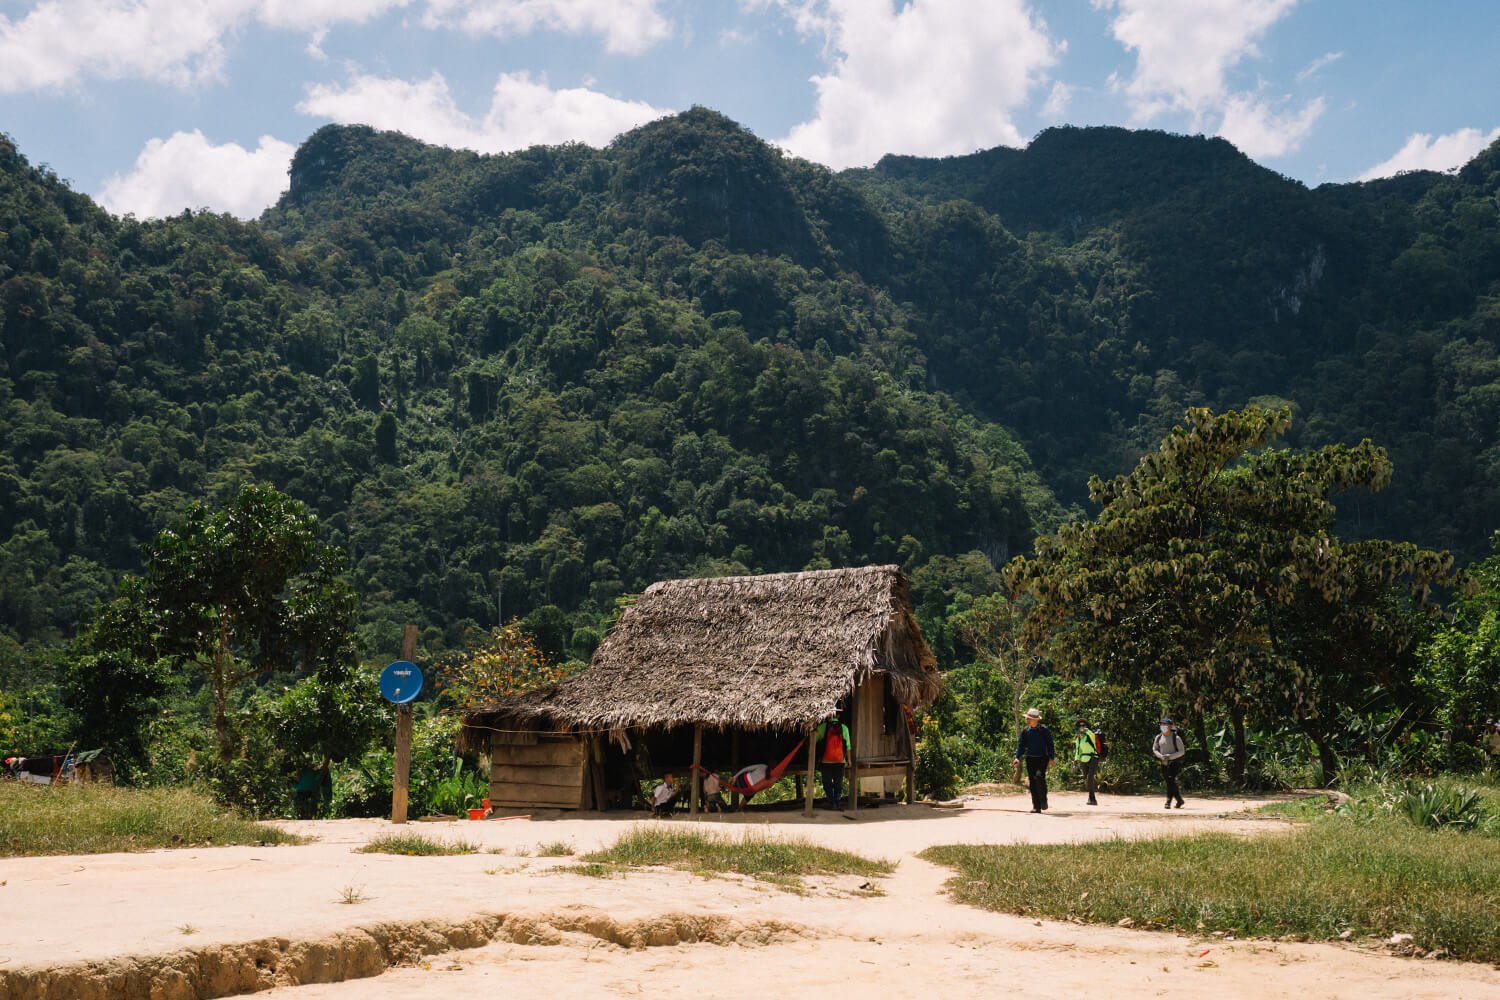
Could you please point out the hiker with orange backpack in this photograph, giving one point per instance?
(832, 739)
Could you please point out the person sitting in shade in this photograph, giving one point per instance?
(713, 799)
(663, 796)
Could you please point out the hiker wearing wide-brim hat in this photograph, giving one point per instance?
(1035, 747)
(1169, 750)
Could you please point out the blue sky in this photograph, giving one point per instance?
(154, 106)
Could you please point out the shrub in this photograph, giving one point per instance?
(1436, 806)
(937, 777)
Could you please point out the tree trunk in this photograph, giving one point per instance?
(1328, 762)
(221, 692)
(1241, 758)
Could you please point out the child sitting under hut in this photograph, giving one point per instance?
(713, 800)
(663, 796)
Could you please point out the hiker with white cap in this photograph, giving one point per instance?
(1169, 750)
(1035, 745)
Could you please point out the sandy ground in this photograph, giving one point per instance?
(907, 941)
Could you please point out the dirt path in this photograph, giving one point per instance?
(263, 916)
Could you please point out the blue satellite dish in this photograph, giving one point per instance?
(400, 682)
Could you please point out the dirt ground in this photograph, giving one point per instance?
(214, 921)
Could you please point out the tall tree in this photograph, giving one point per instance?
(1212, 569)
(238, 592)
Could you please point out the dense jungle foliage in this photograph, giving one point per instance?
(528, 385)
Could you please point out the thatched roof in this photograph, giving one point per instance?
(750, 652)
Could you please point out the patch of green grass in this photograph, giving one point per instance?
(1377, 877)
(95, 819)
(1306, 808)
(772, 859)
(416, 845)
(555, 849)
(593, 869)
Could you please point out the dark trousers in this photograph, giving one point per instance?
(833, 783)
(1036, 775)
(1169, 770)
(1090, 769)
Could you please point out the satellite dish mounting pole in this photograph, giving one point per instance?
(401, 779)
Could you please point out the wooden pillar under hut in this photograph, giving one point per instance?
(734, 763)
(911, 760)
(853, 753)
(697, 765)
(812, 757)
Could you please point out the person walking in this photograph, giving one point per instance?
(1035, 747)
(1168, 748)
(1086, 752)
(833, 737)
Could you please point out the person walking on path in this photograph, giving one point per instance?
(833, 737)
(1169, 750)
(1086, 752)
(1035, 747)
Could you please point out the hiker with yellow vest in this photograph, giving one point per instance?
(832, 740)
(1086, 752)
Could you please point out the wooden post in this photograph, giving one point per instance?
(401, 778)
(853, 753)
(911, 760)
(697, 763)
(734, 762)
(812, 759)
(598, 745)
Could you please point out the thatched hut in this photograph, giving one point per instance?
(716, 673)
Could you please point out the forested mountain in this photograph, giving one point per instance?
(530, 383)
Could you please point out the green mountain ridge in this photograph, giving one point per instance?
(529, 383)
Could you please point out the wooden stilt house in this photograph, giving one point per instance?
(718, 673)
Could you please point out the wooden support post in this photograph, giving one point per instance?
(734, 763)
(401, 776)
(812, 759)
(853, 753)
(697, 763)
(597, 769)
(911, 760)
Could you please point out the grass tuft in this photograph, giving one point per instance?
(416, 845)
(1334, 874)
(772, 859)
(351, 895)
(95, 819)
(555, 849)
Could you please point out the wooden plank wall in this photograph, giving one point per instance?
(551, 773)
(874, 741)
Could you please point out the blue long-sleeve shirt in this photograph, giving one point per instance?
(1035, 743)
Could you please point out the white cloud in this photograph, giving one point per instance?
(1423, 152)
(59, 43)
(1185, 50)
(1319, 64)
(934, 78)
(187, 171)
(628, 26)
(1259, 131)
(1058, 101)
(523, 112)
